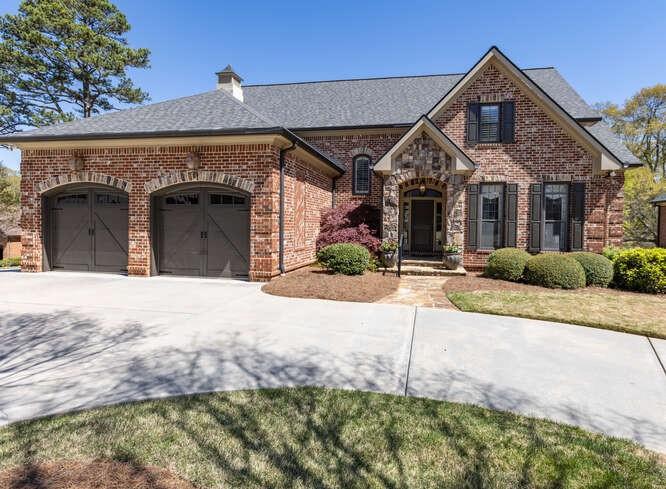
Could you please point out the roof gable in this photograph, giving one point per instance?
(605, 159)
(460, 161)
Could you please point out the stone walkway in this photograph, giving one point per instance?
(415, 290)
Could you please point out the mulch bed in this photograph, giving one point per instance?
(91, 475)
(317, 283)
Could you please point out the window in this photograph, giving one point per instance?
(225, 199)
(489, 123)
(72, 199)
(183, 199)
(555, 205)
(490, 216)
(111, 199)
(361, 177)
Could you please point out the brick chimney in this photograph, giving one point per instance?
(228, 80)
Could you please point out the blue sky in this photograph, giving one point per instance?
(607, 50)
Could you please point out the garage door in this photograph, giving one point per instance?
(88, 230)
(203, 232)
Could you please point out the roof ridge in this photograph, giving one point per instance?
(393, 77)
(251, 110)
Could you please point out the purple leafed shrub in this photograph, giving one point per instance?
(350, 223)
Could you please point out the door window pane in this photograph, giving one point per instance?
(183, 199)
(555, 217)
(110, 199)
(72, 199)
(490, 213)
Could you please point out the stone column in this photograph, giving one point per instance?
(390, 209)
(455, 225)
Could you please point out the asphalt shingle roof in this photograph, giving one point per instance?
(661, 198)
(341, 103)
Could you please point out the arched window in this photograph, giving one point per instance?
(362, 172)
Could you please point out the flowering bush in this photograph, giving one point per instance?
(350, 223)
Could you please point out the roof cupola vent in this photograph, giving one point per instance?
(229, 80)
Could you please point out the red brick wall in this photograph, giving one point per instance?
(259, 163)
(661, 240)
(344, 148)
(315, 191)
(543, 150)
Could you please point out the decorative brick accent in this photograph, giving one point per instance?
(83, 177)
(201, 176)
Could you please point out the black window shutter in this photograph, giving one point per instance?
(510, 214)
(508, 117)
(535, 217)
(577, 217)
(473, 122)
(473, 216)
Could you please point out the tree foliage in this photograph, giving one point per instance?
(65, 58)
(641, 123)
(640, 216)
(9, 189)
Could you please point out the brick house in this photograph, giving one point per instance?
(232, 182)
(660, 203)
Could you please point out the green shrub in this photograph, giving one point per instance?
(345, 258)
(554, 271)
(10, 262)
(507, 264)
(641, 270)
(598, 268)
(611, 252)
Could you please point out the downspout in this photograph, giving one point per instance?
(333, 191)
(283, 152)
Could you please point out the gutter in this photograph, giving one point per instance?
(283, 152)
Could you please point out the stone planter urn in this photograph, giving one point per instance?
(389, 258)
(388, 253)
(451, 257)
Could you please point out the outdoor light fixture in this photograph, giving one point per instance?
(76, 163)
(193, 161)
(422, 189)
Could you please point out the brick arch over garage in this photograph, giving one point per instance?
(198, 176)
(83, 177)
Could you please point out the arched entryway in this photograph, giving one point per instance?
(201, 230)
(86, 228)
(422, 223)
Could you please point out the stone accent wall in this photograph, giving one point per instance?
(423, 161)
(253, 168)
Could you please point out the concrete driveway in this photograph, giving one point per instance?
(71, 341)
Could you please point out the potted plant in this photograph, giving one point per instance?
(389, 253)
(451, 256)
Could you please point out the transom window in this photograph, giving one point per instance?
(362, 175)
(490, 216)
(555, 205)
(489, 123)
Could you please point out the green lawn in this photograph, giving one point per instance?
(329, 438)
(629, 312)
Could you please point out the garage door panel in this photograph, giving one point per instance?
(228, 242)
(180, 250)
(70, 232)
(204, 232)
(88, 231)
(111, 232)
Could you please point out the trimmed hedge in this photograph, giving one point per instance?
(10, 262)
(598, 268)
(507, 264)
(641, 270)
(345, 258)
(554, 271)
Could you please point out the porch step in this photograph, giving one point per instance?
(429, 271)
(416, 262)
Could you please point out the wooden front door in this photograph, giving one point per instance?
(423, 226)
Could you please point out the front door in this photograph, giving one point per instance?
(423, 226)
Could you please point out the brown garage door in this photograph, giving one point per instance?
(87, 230)
(203, 232)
